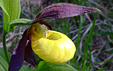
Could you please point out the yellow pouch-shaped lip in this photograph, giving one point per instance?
(56, 47)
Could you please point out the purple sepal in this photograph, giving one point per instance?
(29, 55)
(17, 58)
(63, 10)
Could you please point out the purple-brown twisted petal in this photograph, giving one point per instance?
(17, 58)
(29, 55)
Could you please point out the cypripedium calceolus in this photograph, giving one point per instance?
(49, 45)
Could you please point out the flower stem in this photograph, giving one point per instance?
(4, 46)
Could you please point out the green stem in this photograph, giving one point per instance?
(4, 46)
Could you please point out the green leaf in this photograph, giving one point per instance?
(1, 68)
(11, 11)
(34, 70)
(25, 68)
(3, 7)
(3, 63)
(3, 55)
(46, 66)
(18, 22)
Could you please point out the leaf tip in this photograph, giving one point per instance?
(98, 9)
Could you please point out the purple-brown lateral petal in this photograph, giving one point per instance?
(63, 10)
(29, 55)
(18, 54)
(45, 23)
(42, 22)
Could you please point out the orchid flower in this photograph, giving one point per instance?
(49, 45)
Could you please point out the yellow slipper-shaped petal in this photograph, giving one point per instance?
(53, 46)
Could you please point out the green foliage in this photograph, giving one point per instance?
(87, 41)
(25, 68)
(46, 66)
(18, 22)
(11, 11)
(3, 61)
(4, 65)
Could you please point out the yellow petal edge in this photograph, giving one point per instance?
(55, 48)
